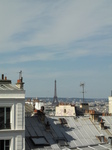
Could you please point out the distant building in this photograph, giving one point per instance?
(12, 115)
(65, 110)
(84, 106)
(110, 104)
(38, 104)
(29, 101)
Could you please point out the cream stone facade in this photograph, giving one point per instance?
(65, 110)
(110, 104)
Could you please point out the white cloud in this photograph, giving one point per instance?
(56, 30)
(45, 56)
(53, 23)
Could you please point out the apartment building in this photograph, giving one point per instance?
(12, 115)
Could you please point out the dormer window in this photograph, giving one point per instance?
(5, 118)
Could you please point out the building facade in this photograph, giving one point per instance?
(84, 106)
(12, 115)
(110, 104)
(65, 110)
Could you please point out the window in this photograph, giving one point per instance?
(4, 117)
(64, 110)
(4, 144)
(40, 141)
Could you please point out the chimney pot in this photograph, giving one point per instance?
(19, 81)
(2, 76)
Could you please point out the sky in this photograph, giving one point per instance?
(69, 41)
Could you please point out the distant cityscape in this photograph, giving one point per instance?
(37, 123)
(99, 104)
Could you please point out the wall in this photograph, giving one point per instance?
(17, 139)
(17, 119)
(65, 110)
(84, 106)
(110, 104)
(38, 105)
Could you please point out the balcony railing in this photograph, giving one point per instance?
(5, 126)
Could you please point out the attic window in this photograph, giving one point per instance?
(39, 141)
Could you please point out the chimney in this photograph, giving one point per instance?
(47, 125)
(20, 82)
(5, 78)
(101, 124)
(42, 108)
(110, 140)
(102, 138)
(111, 92)
(2, 76)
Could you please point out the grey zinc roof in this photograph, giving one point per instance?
(108, 123)
(28, 109)
(78, 133)
(6, 86)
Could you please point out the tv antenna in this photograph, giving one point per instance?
(82, 84)
(20, 74)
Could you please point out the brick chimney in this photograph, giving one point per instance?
(20, 82)
(4, 80)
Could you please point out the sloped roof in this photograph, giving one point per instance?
(28, 108)
(8, 87)
(78, 133)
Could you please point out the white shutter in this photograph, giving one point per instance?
(23, 116)
(19, 142)
(19, 116)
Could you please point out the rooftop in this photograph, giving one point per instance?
(8, 86)
(77, 133)
(7, 90)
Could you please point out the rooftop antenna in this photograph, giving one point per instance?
(82, 84)
(55, 99)
(20, 82)
(20, 74)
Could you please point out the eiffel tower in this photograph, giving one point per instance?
(55, 99)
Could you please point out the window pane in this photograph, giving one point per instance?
(1, 118)
(7, 142)
(7, 117)
(4, 117)
(64, 110)
(1, 144)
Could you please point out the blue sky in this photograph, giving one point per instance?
(66, 40)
